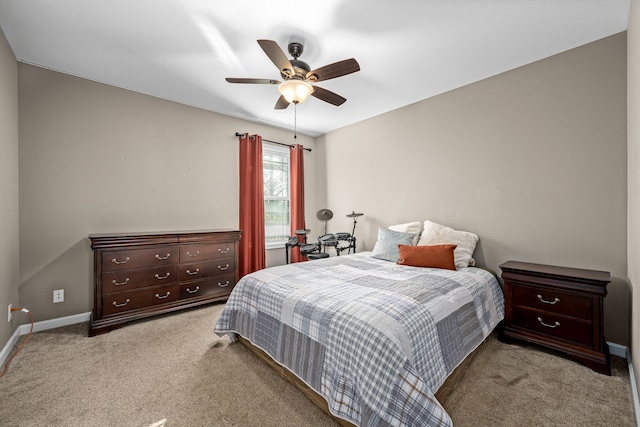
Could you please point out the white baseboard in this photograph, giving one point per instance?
(634, 387)
(623, 351)
(618, 350)
(41, 326)
(9, 346)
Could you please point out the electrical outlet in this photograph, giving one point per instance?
(58, 295)
(10, 315)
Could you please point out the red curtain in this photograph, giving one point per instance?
(297, 198)
(252, 244)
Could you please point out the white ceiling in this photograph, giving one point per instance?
(408, 50)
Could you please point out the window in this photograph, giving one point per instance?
(275, 162)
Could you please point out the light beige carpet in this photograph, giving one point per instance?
(174, 367)
(524, 385)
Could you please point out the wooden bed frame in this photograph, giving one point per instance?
(443, 392)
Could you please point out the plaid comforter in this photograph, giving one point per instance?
(374, 338)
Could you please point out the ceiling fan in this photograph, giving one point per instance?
(298, 76)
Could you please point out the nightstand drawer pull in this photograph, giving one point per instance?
(548, 325)
(162, 277)
(194, 254)
(224, 285)
(224, 268)
(120, 283)
(193, 291)
(121, 305)
(115, 261)
(162, 257)
(555, 300)
(223, 251)
(193, 273)
(164, 296)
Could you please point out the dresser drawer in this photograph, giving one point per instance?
(555, 325)
(139, 298)
(221, 285)
(206, 251)
(201, 270)
(552, 300)
(117, 281)
(137, 258)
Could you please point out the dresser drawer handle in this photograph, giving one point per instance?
(115, 261)
(162, 258)
(120, 283)
(224, 285)
(164, 296)
(194, 254)
(163, 277)
(555, 300)
(193, 291)
(548, 325)
(193, 273)
(223, 251)
(121, 305)
(223, 268)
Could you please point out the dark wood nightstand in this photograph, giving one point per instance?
(559, 308)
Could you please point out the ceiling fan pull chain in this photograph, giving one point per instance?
(295, 120)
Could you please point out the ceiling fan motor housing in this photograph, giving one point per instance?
(300, 69)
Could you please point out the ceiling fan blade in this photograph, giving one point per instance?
(277, 56)
(281, 104)
(252, 81)
(331, 71)
(328, 96)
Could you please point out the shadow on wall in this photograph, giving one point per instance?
(72, 271)
(478, 255)
(616, 310)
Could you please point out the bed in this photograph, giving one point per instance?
(372, 338)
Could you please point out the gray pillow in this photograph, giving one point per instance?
(386, 247)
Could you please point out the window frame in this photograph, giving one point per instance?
(286, 153)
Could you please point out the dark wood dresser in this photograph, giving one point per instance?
(559, 308)
(142, 275)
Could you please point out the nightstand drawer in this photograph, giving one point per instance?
(568, 328)
(552, 300)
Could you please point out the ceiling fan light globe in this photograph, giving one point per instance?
(295, 91)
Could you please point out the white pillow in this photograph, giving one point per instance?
(436, 234)
(408, 227)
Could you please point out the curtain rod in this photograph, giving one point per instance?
(275, 142)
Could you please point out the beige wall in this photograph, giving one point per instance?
(95, 159)
(633, 165)
(532, 160)
(9, 243)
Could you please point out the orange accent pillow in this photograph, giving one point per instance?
(433, 256)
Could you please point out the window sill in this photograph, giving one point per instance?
(275, 246)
